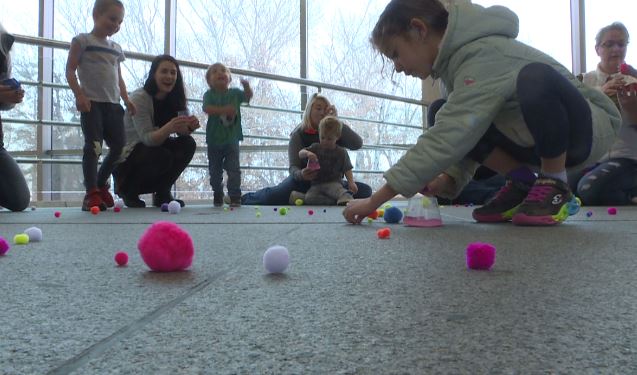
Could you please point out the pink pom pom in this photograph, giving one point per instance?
(165, 247)
(117, 209)
(480, 256)
(57, 213)
(4, 246)
(121, 258)
(612, 211)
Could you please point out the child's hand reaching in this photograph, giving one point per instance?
(11, 95)
(358, 209)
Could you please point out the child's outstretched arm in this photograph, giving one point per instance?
(359, 209)
(247, 89)
(124, 94)
(349, 175)
(81, 101)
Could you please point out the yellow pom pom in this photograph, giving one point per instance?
(258, 214)
(387, 205)
(370, 220)
(381, 212)
(298, 202)
(426, 202)
(21, 239)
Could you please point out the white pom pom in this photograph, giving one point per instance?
(34, 233)
(174, 207)
(276, 259)
(119, 203)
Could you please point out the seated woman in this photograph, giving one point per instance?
(153, 158)
(301, 176)
(613, 181)
(14, 191)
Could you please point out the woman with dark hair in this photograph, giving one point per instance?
(14, 191)
(153, 159)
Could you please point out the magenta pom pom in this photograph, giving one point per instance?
(612, 211)
(57, 214)
(121, 258)
(165, 247)
(4, 246)
(480, 256)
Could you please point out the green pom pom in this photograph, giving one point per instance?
(283, 211)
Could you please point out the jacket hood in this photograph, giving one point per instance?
(470, 22)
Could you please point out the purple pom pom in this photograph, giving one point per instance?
(480, 256)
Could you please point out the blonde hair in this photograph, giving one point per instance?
(330, 126)
(307, 121)
(212, 67)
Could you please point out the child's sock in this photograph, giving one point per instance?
(558, 175)
(522, 174)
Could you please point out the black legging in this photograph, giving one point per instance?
(154, 169)
(556, 113)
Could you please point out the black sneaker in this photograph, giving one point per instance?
(504, 204)
(132, 201)
(549, 202)
(217, 199)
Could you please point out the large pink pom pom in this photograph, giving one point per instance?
(480, 256)
(165, 247)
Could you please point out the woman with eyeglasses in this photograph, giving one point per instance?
(613, 181)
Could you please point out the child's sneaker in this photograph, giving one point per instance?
(217, 199)
(549, 202)
(504, 204)
(106, 196)
(93, 198)
(235, 201)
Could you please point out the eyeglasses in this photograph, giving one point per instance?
(614, 43)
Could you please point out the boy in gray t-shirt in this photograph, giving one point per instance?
(333, 163)
(97, 61)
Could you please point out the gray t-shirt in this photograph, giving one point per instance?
(334, 163)
(98, 69)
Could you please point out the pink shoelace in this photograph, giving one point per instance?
(538, 193)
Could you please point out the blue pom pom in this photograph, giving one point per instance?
(393, 215)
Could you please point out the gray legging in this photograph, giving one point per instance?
(14, 191)
(613, 182)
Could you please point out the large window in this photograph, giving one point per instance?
(603, 13)
(544, 24)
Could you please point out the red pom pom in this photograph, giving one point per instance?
(121, 258)
(624, 68)
(117, 209)
(373, 215)
(612, 211)
(480, 256)
(383, 233)
(57, 214)
(165, 247)
(95, 210)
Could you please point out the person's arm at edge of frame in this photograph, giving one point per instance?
(359, 209)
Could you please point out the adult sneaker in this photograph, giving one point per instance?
(549, 202)
(504, 204)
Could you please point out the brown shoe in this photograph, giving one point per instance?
(235, 201)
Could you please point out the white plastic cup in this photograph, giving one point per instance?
(422, 211)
